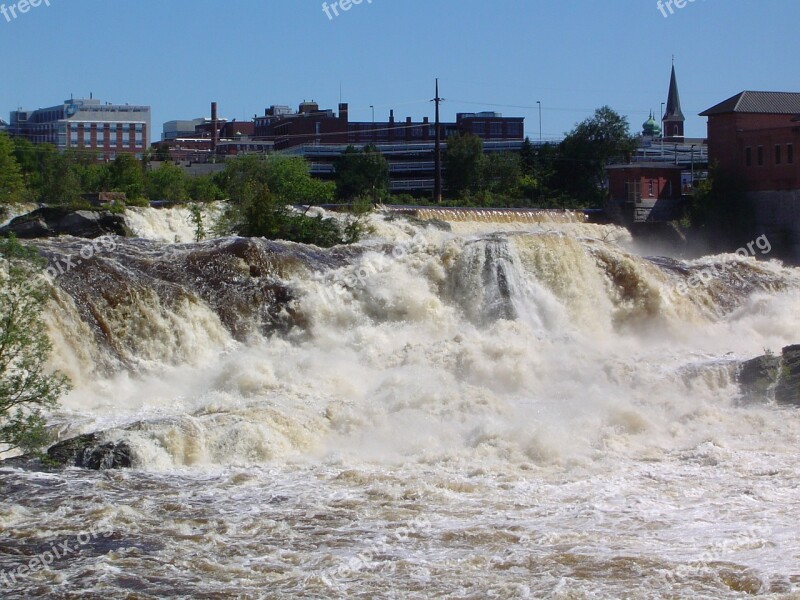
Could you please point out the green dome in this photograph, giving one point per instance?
(651, 127)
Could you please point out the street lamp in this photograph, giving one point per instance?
(539, 102)
(374, 134)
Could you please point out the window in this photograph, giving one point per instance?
(514, 129)
(748, 156)
(761, 156)
(652, 187)
(790, 153)
(479, 128)
(777, 154)
(497, 129)
(101, 136)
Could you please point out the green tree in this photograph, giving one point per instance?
(12, 184)
(167, 182)
(290, 181)
(587, 150)
(203, 188)
(255, 209)
(464, 163)
(196, 217)
(362, 173)
(60, 179)
(126, 175)
(502, 174)
(26, 388)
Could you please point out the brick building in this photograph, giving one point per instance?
(645, 192)
(757, 135)
(86, 124)
(311, 125)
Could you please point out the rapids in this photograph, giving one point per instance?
(505, 407)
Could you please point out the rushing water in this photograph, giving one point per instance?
(519, 407)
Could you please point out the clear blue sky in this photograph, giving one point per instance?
(573, 55)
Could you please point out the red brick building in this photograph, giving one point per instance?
(757, 135)
(644, 192)
(310, 125)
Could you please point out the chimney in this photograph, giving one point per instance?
(344, 112)
(213, 127)
(391, 117)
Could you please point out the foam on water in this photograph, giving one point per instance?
(497, 411)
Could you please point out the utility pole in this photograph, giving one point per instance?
(437, 183)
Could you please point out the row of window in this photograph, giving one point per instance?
(778, 155)
(496, 128)
(138, 127)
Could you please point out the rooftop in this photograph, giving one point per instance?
(774, 103)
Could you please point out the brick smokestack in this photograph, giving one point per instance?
(214, 127)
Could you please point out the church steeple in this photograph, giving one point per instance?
(673, 116)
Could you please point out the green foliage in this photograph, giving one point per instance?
(26, 389)
(127, 175)
(167, 182)
(585, 153)
(361, 173)
(203, 188)
(464, 164)
(289, 180)
(196, 216)
(260, 214)
(502, 174)
(12, 184)
(259, 192)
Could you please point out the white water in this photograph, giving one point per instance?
(534, 404)
(173, 225)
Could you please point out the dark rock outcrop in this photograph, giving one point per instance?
(53, 221)
(91, 452)
(758, 377)
(767, 377)
(788, 388)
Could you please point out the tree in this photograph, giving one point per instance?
(502, 174)
(126, 175)
(362, 173)
(60, 181)
(464, 164)
(12, 184)
(26, 389)
(203, 188)
(255, 209)
(587, 150)
(290, 181)
(167, 182)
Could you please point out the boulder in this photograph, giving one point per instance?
(788, 388)
(91, 452)
(53, 221)
(758, 377)
(771, 377)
